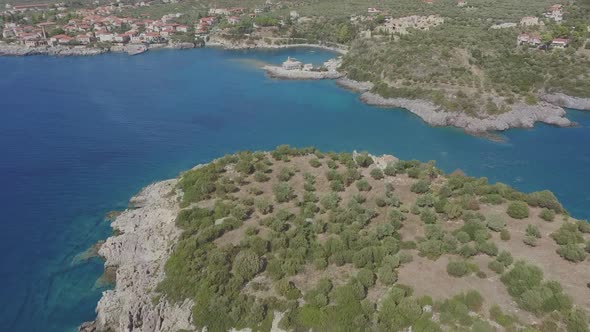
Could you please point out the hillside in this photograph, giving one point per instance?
(297, 239)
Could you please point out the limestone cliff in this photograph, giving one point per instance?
(148, 233)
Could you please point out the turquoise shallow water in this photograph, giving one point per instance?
(79, 136)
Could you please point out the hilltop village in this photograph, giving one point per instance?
(117, 23)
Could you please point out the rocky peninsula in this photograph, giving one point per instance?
(147, 234)
(257, 240)
(521, 115)
(300, 72)
(564, 100)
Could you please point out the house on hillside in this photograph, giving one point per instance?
(560, 43)
(533, 39)
(530, 21)
(83, 39)
(555, 13)
(233, 20)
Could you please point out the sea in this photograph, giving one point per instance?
(80, 135)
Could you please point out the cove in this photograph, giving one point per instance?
(79, 136)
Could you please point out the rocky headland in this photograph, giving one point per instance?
(147, 233)
(563, 100)
(150, 233)
(549, 110)
(328, 71)
(520, 116)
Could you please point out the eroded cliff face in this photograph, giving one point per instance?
(148, 233)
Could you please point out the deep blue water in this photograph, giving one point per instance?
(79, 136)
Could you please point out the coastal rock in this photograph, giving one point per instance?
(353, 85)
(181, 46)
(521, 115)
(17, 50)
(330, 72)
(148, 233)
(563, 100)
(279, 72)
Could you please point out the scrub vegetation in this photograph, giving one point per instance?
(349, 242)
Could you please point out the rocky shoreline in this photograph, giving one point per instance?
(564, 100)
(549, 110)
(17, 50)
(147, 236)
(521, 115)
(329, 72)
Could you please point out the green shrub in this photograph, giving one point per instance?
(576, 320)
(453, 211)
(505, 258)
(572, 252)
(458, 269)
(264, 206)
(544, 199)
(488, 248)
(583, 226)
(283, 192)
(547, 215)
(496, 223)
(332, 164)
(530, 241)
(261, 177)
(387, 275)
(504, 235)
(473, 300)
(420, 187)
(427, 216)
(364, 160)
(363, 185)
(467, 251)
(525, 284)
(337, 186)
(518, 210)
(499, 317)
(246, 264)
(366, 277)
(315, 162)
(463, 237)
(287, 289)
(390, 170)
(496, 266)
(377, 174)
(285, 174)
(533, 230)
(568, 233)
(330, 201)
(494, 199)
